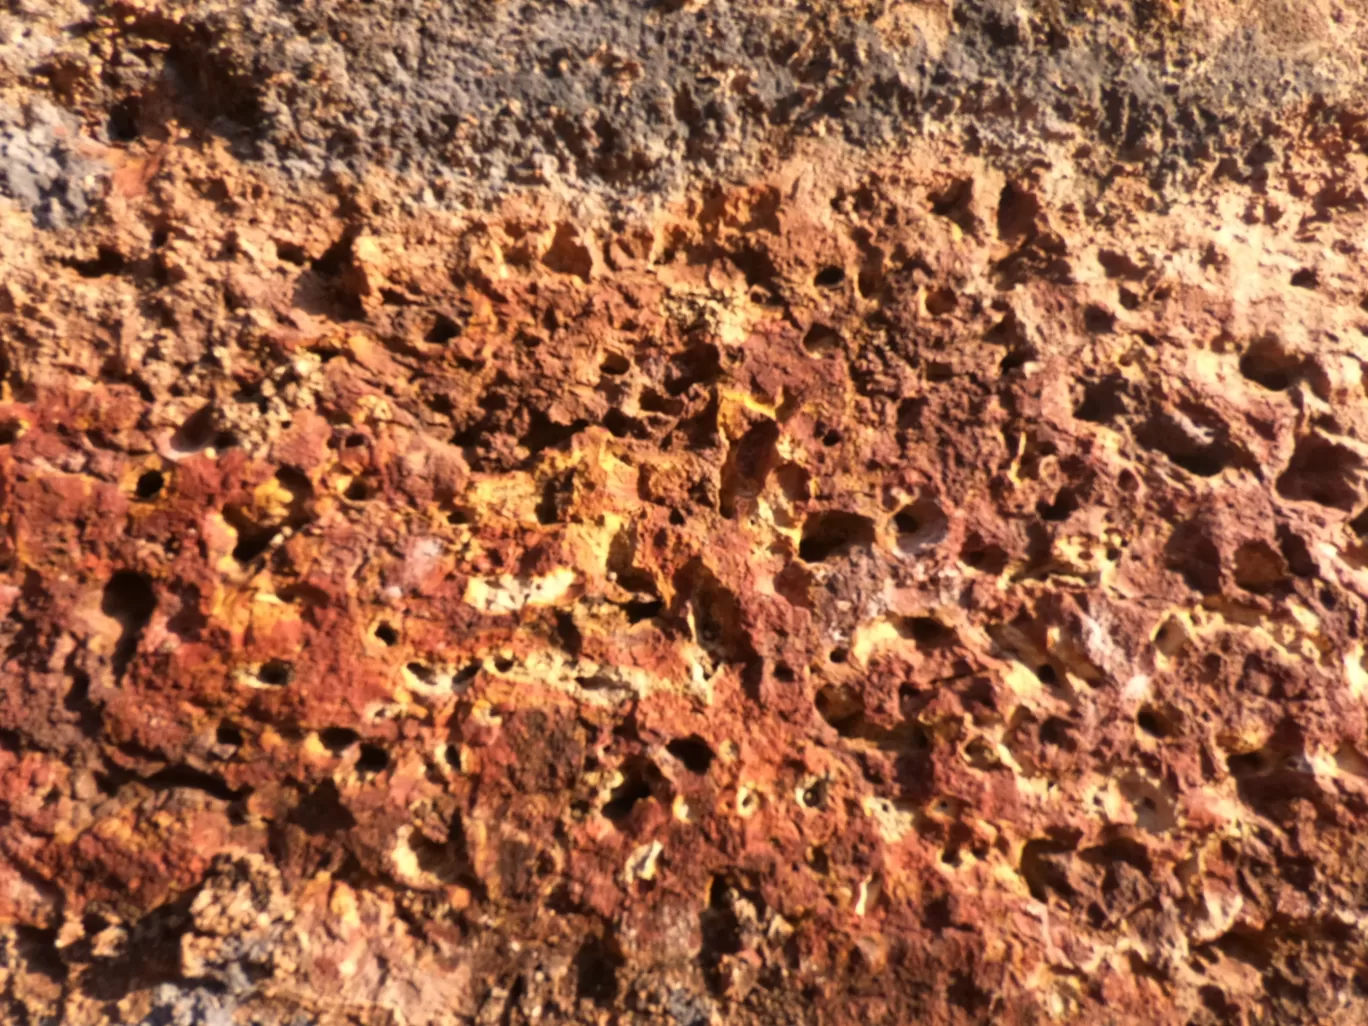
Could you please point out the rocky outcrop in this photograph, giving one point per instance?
(683, 513)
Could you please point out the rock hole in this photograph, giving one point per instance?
(106, 261)
(920, 526)
(276, 672)
(829, 277)
(338, 739)
(979, 554)
(653, 402)
(123, 119)
(149, 484)
(1324, 472)
(926, 631)
(78, 696)
(1306, 278)
(1016, 359)
(721, 927)
(841, 707)
(228, 735)
(1119, 265)
(1103, 401)
(1269, 364)
(1098, 320)
(444, 329)
(940, 302)
(372, 759)
(387, 635)
(615, 364)
(544, 433)
(822, 340)
(1188, 445)
(359, 490)
(640, 610)
(695, 753)
(1249, 764)
(253, 538)
(129, 599)
(1065, 504)
(1045, 868)
(697, 365)
(291, 253)
(634, 788)
(623, 426)
(1058, 733)
(1156, 722)
(834, 533)
(1017, 212)
(596, 972)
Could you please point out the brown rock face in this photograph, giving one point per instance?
(683, 513)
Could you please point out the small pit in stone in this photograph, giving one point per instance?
(822, 340)
(834, 533)
(841, 707)
(829, 277)
(695, 753)
(276, 672)
(926, 631)
(1325, 472)
(338, 739)
(128, 599)
(149, 485)
(372, 759)
(635, 787)
(386, 635)
(444, 329)
(1268, 363)
(920, 526)
(228, 735)
(359, 490)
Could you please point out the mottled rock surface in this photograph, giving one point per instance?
(682, 512)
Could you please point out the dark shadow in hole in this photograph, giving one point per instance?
(829, 277)
(129, 599)
(373, 759)
(1324, 472)
(149, 485)
(338, 739)
(276, 672)
(834, 533)
(695, 753)
(596, 972)
(638, 774)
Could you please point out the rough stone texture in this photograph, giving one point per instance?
(688, 514)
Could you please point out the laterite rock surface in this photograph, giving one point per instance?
(687, 513)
